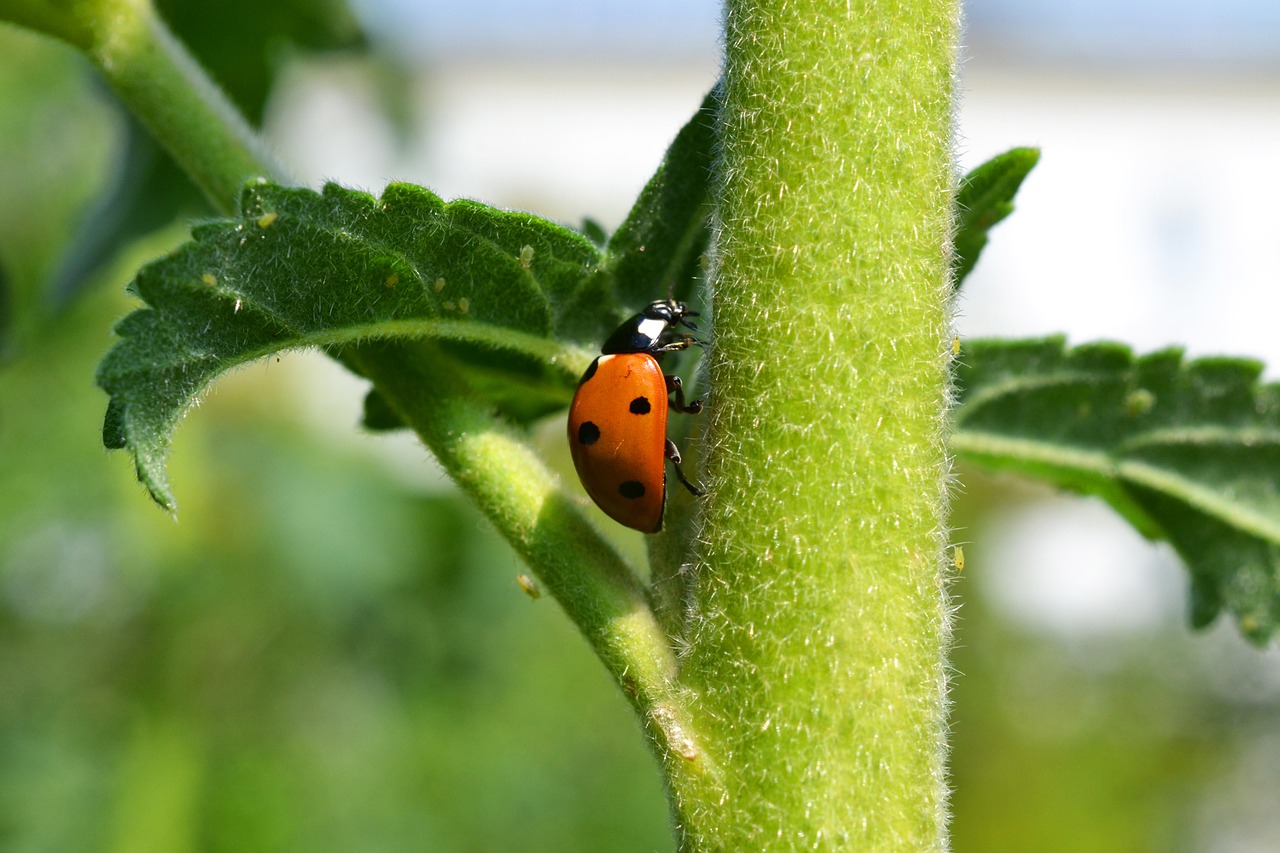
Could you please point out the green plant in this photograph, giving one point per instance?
(789, 645)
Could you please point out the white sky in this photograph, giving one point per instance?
(1218, 31)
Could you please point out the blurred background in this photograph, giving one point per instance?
(329, 650)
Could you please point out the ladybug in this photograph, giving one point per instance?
(618, 418)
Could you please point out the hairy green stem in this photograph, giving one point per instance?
(160, 82)
(819, 623)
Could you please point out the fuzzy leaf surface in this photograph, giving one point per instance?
(503, 291)
(1188, 452)
(983, 200)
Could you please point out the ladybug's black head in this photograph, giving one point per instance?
(652, 330)
(670, 311)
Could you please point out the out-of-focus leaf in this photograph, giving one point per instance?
(240, 42)
(57, 141)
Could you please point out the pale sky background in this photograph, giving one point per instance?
(1238, 31)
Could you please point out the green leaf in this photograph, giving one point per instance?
(985, 197)
(497, 289)
(659, 248)
(1188, 452)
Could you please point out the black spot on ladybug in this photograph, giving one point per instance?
(591, 371)
(588, 433)
(631, 489)
(640, 406)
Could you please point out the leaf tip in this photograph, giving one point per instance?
(148, 464)
(113, 435)
(983, 199)
(151, 475)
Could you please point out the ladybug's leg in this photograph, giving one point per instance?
(677, 344)
(673, 453)
(674, 386)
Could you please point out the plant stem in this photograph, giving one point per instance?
(600, 594)
(819, 619)
(161, 84)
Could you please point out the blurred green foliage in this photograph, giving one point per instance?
(316, 657)
(58, 136)
(1100, 741)
(320, 657)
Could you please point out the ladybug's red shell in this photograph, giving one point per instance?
(617, 437)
